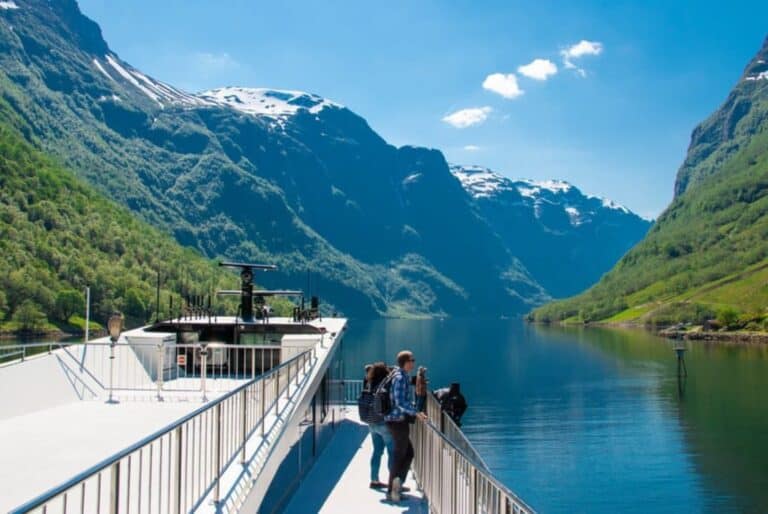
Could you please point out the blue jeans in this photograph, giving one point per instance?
(381, 438)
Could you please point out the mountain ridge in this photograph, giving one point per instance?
(707, 254)
(388, 230)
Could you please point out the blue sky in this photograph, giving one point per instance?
(617, 124)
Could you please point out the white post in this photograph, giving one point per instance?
(87, 311)
(111, 371)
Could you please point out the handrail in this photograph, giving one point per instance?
(454, 477)
(453, 432)
(144, 367)
(452, 483)
(174, 434)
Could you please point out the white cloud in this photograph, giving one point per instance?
(578, 51)
(471, 148)
(538, 69)
(505, 85)
(467, 117)
(583, 48)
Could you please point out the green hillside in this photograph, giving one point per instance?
(707, 255)
(57, 236)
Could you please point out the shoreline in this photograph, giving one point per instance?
(738, 337)
(735, 337)
(11, 335)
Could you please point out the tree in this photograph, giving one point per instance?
(68, 302)
(29, 317)
(135, 305)
(728, 317)
(3, 305)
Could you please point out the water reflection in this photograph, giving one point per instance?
(596, 420)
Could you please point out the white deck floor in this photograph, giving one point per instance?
(42, 449)
(338, 482)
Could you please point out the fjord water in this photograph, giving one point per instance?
(595, 420)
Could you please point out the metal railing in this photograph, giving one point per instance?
(10, 353)
(174, 469)
(453, 483)
(352, 390)
(448, 468)
(161, 367)
(452, 432)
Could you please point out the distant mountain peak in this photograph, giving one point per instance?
(273, 103)
(480, 182)
(483, 183)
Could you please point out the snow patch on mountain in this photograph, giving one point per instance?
(480, 182)
(760, 76)
(532, 188)
(610, 204)
(102, 70)
(272, 103)
(157, 91)
(574, 215)
(412, 178)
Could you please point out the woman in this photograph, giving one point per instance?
(379, 433)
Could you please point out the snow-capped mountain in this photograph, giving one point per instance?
(542, 197)
(275, 103)
(564, 237)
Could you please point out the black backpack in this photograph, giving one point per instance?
(365, 407)
(382, 402)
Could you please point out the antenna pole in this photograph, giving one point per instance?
(157, 302)
(87, 311)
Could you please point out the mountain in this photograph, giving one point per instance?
(57, 236)
(707, 254)
(260, 174)
(565, 239)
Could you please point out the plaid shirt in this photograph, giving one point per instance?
(401, 396)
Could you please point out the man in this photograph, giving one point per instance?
(398, 422)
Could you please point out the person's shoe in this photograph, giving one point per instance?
(404, 489)
(377, 485)
(394, 494)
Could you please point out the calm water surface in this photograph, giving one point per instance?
(595, 420)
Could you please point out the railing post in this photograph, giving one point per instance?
(277, 391)
(244, 405)
(297, 373)
(473, 491)
(263, 402)
(160, 368)
(253, 363)
(288, 379)
(111, 371)
(454, 481)
(217, 457)
(203, 370)
(177, 485)
(114, 489)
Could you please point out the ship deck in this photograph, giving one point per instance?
(55, 422)
(338, 482)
